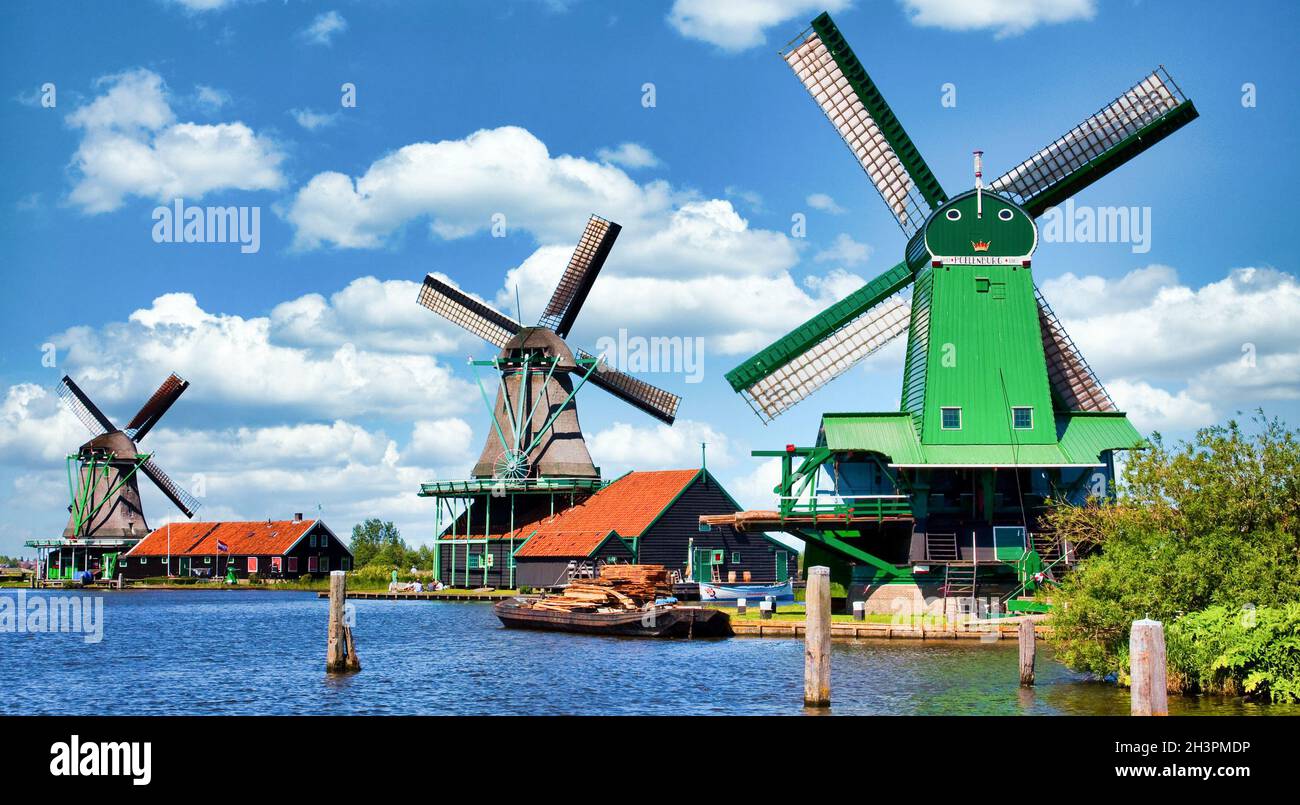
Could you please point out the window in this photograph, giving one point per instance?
(323, 541)
(324, 564)
(311, 540)
(144, 560)
(207, 560)
(1022, 417)
(1005, 215)
(950, 418)
(293, 564)
(705, 526)
(954, 214)
(312, 564)
(735, 557)
(345, 563)
(277, 564)
(252, 564)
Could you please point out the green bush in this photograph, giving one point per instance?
(1214, 522)
(1238, 652)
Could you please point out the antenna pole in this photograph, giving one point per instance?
(979, 184)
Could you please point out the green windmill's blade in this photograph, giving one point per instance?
(839, 84)
(825, 346)
(1150, 111)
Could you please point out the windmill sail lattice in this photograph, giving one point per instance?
(832, 74)
(1149, 111)
(535, 432)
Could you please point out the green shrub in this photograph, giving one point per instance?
(1239, 652)
(1211, 523)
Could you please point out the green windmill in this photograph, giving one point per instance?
(999, 413)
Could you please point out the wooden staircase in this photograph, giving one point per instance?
(959, 580)
(941, 547)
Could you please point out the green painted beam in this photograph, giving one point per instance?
(835, 543)
(874, 101)
(802, 338)
(1127, 149)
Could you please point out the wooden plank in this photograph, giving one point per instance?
(1027, 652)
(1146, 648)
(817, 639)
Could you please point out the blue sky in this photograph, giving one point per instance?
(317, 381)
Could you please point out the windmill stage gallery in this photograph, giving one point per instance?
(1000, 415)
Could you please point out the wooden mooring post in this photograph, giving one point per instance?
(817, 639)
(340, 651)
(1027, 652)
(1146, 651)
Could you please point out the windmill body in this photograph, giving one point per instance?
(105, 515)
(109, 494)
(528, 385)
(1000, 416)
(535, 462)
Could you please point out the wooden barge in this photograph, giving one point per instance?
(667, 621)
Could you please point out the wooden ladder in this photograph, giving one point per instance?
(941, 547)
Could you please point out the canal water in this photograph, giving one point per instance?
(261, 652)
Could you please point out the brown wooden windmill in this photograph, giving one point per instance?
(535, 431)
(106, 498)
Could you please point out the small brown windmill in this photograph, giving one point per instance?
(535, 430)
(106, 498)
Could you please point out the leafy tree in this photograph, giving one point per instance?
(377, 542)
(1210, 522)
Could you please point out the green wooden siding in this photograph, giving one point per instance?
(985, 355)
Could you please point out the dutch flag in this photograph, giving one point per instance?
(222, 547)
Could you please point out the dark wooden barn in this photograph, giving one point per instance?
(270, 549)
(656, 516)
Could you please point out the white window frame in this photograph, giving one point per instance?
(324, 564)
(945, 408)
(277, 564)
(293, 564)
(251, 564)
(1016, 408)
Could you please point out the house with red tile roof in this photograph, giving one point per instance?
(648, 517)
(268, 549)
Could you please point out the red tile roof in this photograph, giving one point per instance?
(245, 538)
(565, 544)
(627, 506)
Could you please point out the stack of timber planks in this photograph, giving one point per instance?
(624, 588)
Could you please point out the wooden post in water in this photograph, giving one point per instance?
(817, 639)
(340, 652)
(1146, 651)
(1027, 651)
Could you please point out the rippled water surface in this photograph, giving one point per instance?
(256, 652)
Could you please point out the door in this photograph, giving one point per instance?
(1008, 543)
(782, 567)
(702, 565)
(184, 566)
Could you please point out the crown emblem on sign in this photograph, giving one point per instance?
(980, 245)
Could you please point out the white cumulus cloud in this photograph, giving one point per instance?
(324, 27)
(736, 25)
(629, 155)
(132, 145)
(1004, 17)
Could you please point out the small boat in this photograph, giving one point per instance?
(752, 593)
(659, 621)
